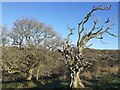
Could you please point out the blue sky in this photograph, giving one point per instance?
(58, 15)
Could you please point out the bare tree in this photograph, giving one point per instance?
(75, 59)
(18, 33)
(4, 34)
(30, 32)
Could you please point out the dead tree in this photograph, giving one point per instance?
(76, 61)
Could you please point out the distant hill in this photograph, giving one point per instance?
(96, 53)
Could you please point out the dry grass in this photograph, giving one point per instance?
(87, 75)
(109, 69)
(98, 70)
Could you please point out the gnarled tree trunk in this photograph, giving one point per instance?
(75, 81)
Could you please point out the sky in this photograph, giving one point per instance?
(59, 14)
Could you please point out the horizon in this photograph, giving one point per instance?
(58, 15)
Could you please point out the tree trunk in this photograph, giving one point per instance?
(20, 43)
(37, 74)
(75, 81)
(29, 76)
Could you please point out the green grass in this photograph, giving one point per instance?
(28, 84)
(37, 84)
(107, 81)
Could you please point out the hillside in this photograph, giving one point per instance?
(95, 53)
(18, 62)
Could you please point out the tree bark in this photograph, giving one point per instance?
(29, 76)
(37, 74)
(75, 81)
(20, 43)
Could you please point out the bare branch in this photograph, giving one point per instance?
(95, 23)
(98, 30)
(89, 15)
(100, 8)
(60, 51)
(100, 33)
(99, 37)
(108, 20)
(103, 42)
(90, 35)
(112, 34)
(71, 31)
(89, 45)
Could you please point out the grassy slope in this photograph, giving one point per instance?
(107, 80)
